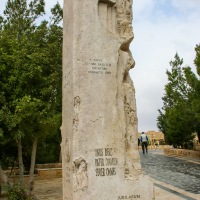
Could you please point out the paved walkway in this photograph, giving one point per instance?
(181, 173)
(48, 189)
(174, 177)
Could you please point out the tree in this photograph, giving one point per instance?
(175, 117)
(30, 74)
(194, 96)
(19, 25)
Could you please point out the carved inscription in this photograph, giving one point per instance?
(105, 162)
(98, 66)
(129, 197)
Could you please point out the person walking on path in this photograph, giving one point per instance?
(144, 139)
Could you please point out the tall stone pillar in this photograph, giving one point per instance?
(99, 122)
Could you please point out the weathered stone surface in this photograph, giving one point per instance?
(99, 128)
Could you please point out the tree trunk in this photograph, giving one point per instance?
(20, 160)
(33, 158)
(198, 134)
(4, 179)
(3, 176)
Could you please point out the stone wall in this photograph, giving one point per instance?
(49, 173)
(48, 165)
(182, 152)
(49, 170)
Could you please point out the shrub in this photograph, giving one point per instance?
(18, 192)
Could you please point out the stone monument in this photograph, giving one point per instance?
(100, 157)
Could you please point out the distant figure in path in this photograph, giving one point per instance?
(144, 139)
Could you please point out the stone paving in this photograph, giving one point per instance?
(179, 173)
(48, 189)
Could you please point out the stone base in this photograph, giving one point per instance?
(142, 189)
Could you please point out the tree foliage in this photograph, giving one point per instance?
(175, 118)
(194, 82)
(30, 73)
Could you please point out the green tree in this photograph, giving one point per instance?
(30, 69)
(194, 82)
(175, 117)
(18, 23)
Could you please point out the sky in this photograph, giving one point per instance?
(161, 28)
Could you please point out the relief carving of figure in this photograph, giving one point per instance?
(66, 150)
(75, 121)
(80, 174)
(129, 10)
(77, 102)
(124, 17)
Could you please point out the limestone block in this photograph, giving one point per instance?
(99, 119)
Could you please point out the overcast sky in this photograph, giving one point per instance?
(161, 28)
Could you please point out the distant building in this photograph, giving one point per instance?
(154, 136)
